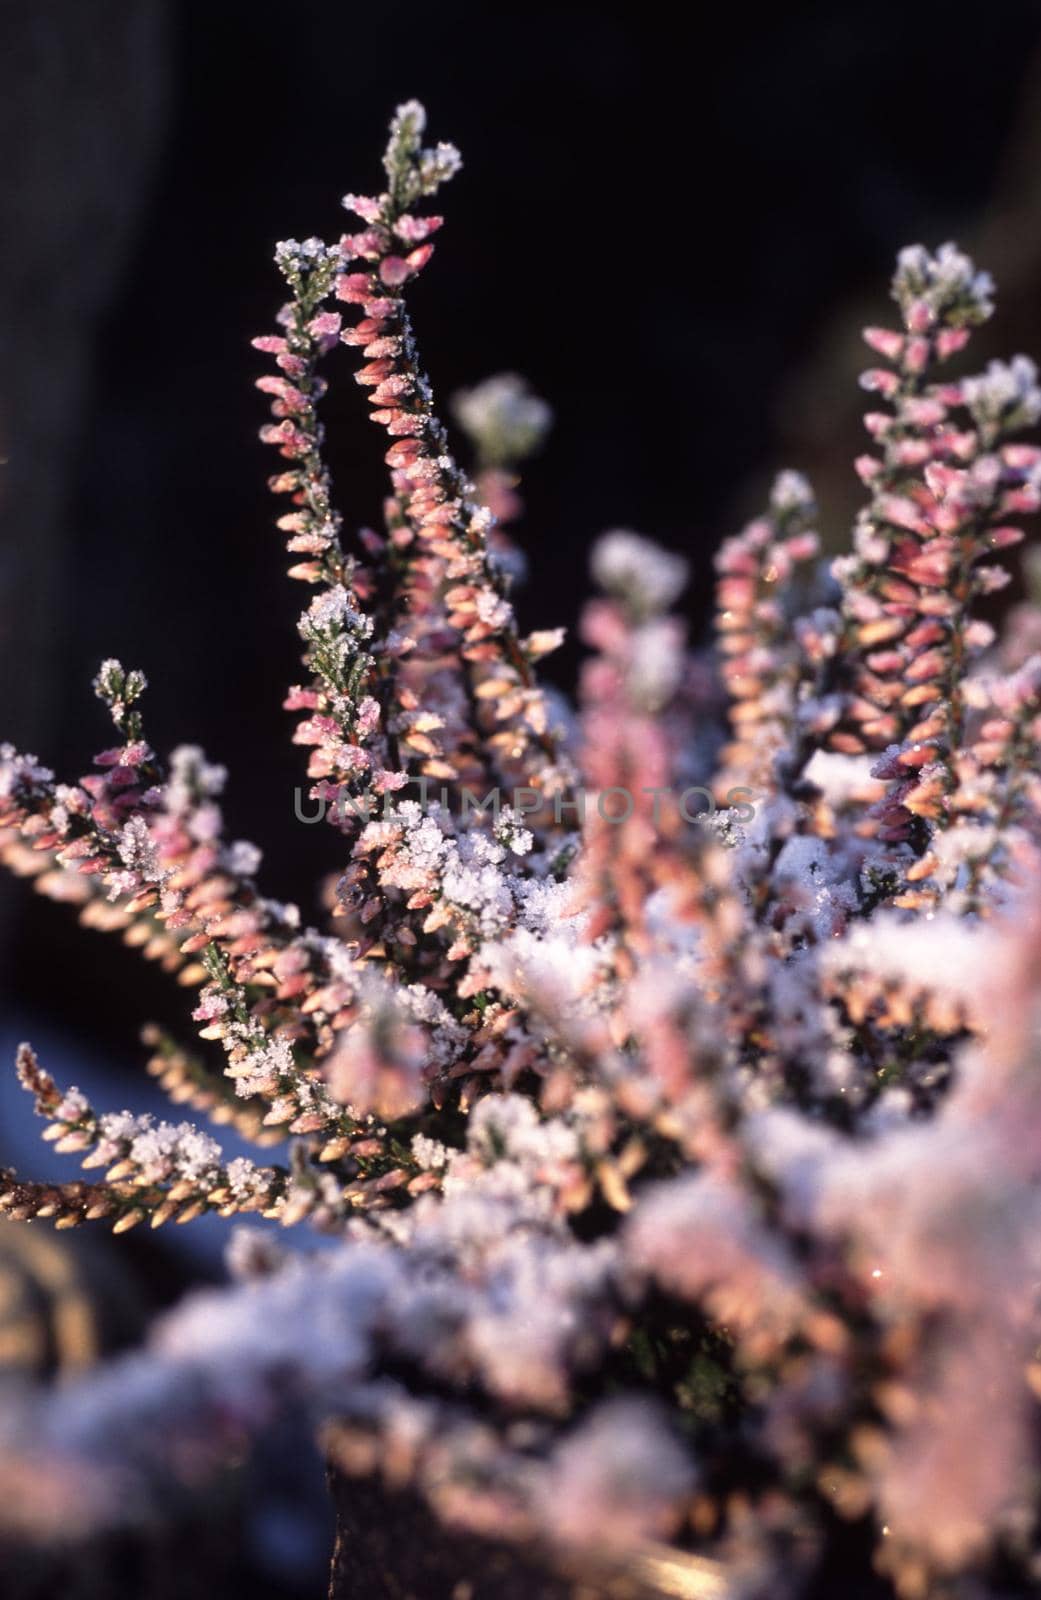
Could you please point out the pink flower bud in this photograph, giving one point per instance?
(803, 546)
(300, 699)
(363, 206)
(1022, 456)
(1026, 499)
(916, 356)
(394, 271)
(878, 381)
(315, 730)
(399, 455)
(325, 325)
(374, 372)
(903, 513)
(391, 388)
(912, 452)
(400, 423)
(413, 230)
(385, 782)
(417, 259)
(886, 341)
(353, 287)
(979, 635)
(923, 413)
(920, 316)
(950, 340)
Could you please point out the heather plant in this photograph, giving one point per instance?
(682, 1158)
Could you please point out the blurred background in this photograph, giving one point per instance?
(673, 228)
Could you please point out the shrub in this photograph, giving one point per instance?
(675, 1103)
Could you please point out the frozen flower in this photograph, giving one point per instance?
(243, 858)
(191, 779)
(492, 608)
(791, 492)
(1007, 393)
(18, 771)
(945, 284)
(637, 571)
(505, 420)
(430, 1154)
(656, 662)
(264, 1065)
(137, 850)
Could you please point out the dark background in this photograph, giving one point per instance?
(674, 228)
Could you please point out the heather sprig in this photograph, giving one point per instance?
(119, 690)
(179, 1171)
(755, 611)
(450, 577)
(946, 492)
